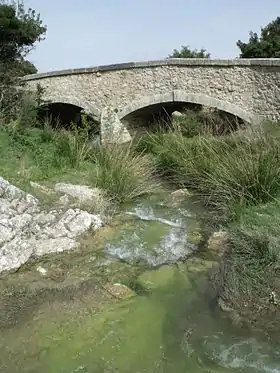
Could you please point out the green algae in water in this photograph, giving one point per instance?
(139, 335)
(164, 330)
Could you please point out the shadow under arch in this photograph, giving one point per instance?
(188, 98)
(89, 109)
(61, 113)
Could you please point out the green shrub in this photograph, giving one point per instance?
(49, 152)
(73, 147)
(28, 114)
(49, 131)
(182, 159)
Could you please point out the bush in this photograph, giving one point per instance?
(28, 113)
(49, 152)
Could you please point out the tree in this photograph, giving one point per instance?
(25, 67)
(186, 52)
(20, 30)
(267, 45)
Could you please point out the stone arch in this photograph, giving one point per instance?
(90, 110)
(186, 97)
(65, 111)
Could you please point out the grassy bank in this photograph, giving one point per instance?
(250, 276)
(237, 176)
(42, 153)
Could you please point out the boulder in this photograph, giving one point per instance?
(119, 291)
(218, 242)
(83, 196)
(177, 114)
(82, 193)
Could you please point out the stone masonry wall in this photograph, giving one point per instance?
(252, 85)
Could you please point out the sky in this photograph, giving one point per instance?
(84, 33)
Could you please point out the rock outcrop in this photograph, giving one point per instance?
(26, 231)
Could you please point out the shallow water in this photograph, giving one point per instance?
(66, 322)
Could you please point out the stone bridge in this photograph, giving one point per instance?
(246, 88)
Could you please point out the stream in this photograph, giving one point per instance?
(134, 298)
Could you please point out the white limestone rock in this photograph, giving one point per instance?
(26, 231)
(177, 114)
(83, 193)
(41, 270)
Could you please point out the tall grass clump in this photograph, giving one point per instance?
(248, 279)
(124, 174)
(229, 172)
(73, 145)
(72, 150)
(183, 160)
(241, 174)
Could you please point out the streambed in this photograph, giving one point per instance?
(134, 298)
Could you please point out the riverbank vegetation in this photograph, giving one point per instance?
(237, 176)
